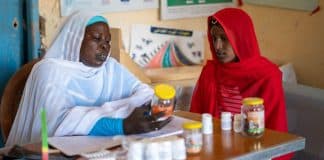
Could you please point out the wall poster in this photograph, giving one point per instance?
(69, 6)
(174, 9)
(306, 5)
(160, 47)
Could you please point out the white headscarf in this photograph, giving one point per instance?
(74, 96)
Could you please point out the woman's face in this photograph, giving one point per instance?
(95, 46)
(223, 48)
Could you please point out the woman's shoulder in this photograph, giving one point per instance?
(49, 70)
(112, 63)
(209, 67)
(46, 66)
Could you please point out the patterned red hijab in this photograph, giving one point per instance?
(254, 75)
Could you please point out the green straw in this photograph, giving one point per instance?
(44, 135)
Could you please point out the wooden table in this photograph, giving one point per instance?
(231, 145)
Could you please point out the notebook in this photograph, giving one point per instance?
(75, 145)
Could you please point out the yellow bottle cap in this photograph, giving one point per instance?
(164, 91)
(252, 101)
(192, 125)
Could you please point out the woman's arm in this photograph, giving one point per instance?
(274, 102)
(80, 120)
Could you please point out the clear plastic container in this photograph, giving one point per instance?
(163, 100)
(226, 121)
(253, 117)
(238, 123)
(193, 137)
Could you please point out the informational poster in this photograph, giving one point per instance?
(306, 5)
(70, 6)
(174, 9)
(160, 47)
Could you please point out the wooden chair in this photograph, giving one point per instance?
(11, 97)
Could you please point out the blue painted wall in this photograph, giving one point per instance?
(11, 39)
(19, 37)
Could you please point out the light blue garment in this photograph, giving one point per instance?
(108, 127)
(74, 95)
(97, 19)
(75, 99)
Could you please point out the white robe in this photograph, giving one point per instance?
(74, 96)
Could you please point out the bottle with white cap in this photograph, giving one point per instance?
(135, 151)
(207, 121)
(178, 149)
(226, 121)
(152, 151)
(165, 152)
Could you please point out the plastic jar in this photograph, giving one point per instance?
(163, 100)
(226, 121)
(207, 121)
(238, 123)
(253, 117)
(193, 137)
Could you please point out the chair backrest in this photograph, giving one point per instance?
(11, 97)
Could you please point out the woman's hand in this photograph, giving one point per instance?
(140, 121)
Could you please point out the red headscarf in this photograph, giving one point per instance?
(254, 75)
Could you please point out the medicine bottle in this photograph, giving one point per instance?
(253, 117)
(226, 121)
(193, 137)
(207, 122)
(163, 100)
(238, 123)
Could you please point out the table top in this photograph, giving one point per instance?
(230, 145)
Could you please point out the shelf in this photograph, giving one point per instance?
(185, 75)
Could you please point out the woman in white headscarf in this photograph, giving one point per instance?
(83, 90)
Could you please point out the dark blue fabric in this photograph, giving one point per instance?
(108, 127)
(1, 140)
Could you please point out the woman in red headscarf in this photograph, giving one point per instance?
(237, 71)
